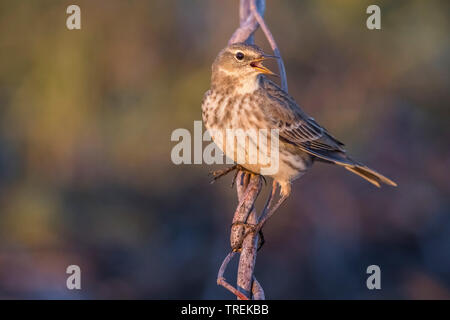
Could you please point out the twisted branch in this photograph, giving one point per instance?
(248, 186)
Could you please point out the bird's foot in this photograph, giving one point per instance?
(217, 174)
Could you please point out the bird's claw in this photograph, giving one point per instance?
(217, 174)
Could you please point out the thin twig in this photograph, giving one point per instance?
(272, 43)
(221, 281)
(247, 22)
(257, 290)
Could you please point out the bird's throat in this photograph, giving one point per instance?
(238, 84)
(247, 85)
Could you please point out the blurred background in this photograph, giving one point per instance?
(86, 176)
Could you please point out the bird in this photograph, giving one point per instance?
(242, 97)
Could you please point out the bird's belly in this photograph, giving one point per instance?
(245, 147)
(243, 136)
(261, 154)
(234, 129)
(292, 165)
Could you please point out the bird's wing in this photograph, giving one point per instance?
(294, 125)
(296, 128)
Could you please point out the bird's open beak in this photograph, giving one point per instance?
(257, 64)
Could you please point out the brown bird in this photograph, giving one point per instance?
(242, 98)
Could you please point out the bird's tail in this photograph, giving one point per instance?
(342, 159)
(370, 175)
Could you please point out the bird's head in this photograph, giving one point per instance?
(240, 62)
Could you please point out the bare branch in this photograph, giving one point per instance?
(247, 259)
(247, 194)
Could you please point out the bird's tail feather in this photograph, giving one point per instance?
(340, 158)
(370, 175)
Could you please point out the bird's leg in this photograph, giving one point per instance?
(267, 213)
(266, 207)
(270, 213)
(269, 200)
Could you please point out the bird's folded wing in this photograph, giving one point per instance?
(295, 126)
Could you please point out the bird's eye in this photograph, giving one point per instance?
(239, 55)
